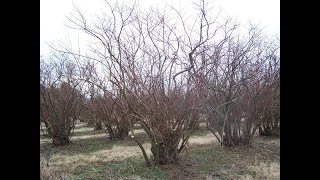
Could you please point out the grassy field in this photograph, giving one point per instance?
(91, 155)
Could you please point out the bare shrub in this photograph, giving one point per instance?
(270, 125)
(149, 69)
(90, 111)
(105, 107)
(111, 112)
(60, 101)
(240, 82)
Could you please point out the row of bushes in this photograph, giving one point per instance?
(142, 69)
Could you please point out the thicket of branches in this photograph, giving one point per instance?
(166, 72)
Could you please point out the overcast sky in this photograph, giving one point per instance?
(53, 14)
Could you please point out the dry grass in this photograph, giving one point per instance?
(267, 171)
(92, 156)
(47, 173)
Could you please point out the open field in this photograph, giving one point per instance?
(92, 156)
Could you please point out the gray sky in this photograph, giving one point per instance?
(53, 14)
